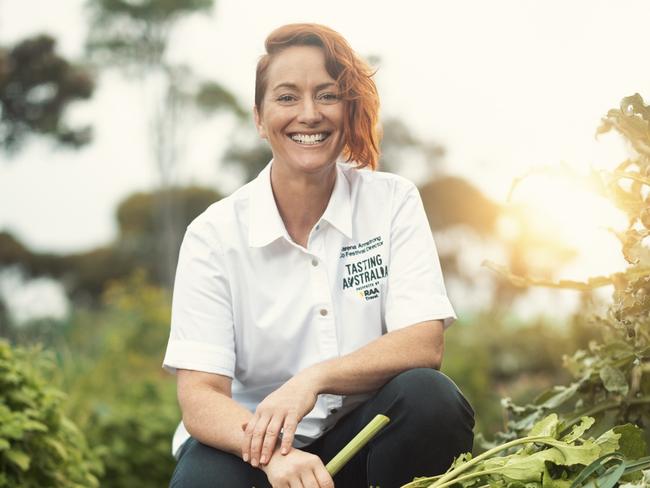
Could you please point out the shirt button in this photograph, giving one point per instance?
(314, 262)
(334, 410)
(323, 312)
(317, 226)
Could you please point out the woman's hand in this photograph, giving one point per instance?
(298, 469)
(282, 409)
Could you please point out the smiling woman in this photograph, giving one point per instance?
(311, 299)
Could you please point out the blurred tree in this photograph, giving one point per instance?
(36, 87)
(401, 147)
(85, 275)
(458, 202)
(133, 37)
(250, 158)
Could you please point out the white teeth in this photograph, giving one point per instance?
(308, 139)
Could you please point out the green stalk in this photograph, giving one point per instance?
(356, 444)
(610, 405)
(468, 477)
(474, 461)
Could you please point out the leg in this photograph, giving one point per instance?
(201, 466)
(431, 423)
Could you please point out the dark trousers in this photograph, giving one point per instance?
(430, 424)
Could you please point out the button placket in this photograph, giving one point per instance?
(323, 300)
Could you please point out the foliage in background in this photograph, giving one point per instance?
(108, 361)
(39, 445)
(36, 87)
(491, 356)
(85, 275)
(118, 392)
(611, 379)
(134, 37)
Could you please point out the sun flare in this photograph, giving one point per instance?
(565, 212)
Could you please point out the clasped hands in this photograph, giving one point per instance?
(281, 410)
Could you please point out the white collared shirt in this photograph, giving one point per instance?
(251, 304)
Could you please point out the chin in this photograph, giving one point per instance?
(316, 166)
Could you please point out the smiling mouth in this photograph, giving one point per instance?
(309, 139)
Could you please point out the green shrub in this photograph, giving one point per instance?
(110, 365)
(133, 436)
(39, 445)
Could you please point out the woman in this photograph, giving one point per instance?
(311, 299)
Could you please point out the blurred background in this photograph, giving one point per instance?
(122, 120)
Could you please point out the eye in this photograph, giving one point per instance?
(329, 97)
(286, 98)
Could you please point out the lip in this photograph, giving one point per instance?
(309, 133)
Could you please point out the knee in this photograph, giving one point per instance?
(430, 397)
(201, 466)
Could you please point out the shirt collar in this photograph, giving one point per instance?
(265, 223)
(339, 209)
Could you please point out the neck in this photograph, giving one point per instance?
(301, 199)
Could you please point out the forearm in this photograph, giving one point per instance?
(371, 366)
(215, 419)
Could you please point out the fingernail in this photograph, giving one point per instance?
(255, 463)
(263, 459)
(245, 458)
(284, 450)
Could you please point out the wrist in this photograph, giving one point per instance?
(316, 375)
(274, 455)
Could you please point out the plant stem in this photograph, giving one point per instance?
(472, 462)
(466, 477)
(356, 444)
(612, 404)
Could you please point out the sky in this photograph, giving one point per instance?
(506, 87)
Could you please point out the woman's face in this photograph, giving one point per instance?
(301, 114)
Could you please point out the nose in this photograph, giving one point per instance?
(309, 113)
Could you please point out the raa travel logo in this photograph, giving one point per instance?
(369, 293)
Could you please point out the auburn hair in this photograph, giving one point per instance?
(353, 76)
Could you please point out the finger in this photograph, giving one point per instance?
(258, 436)
(248, 435)
(309, 480)
(289, 430)
(323, 477)
(295, 483)
(270, 439)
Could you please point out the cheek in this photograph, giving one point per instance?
(336, 116)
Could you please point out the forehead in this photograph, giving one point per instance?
(303, 66)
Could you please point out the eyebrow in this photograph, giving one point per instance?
(293, 86)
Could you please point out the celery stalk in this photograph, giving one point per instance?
(356, 444)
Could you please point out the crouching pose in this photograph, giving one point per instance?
(312, 298)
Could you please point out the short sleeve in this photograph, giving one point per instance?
(202, 334)
(416, 290)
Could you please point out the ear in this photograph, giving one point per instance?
(258, 123)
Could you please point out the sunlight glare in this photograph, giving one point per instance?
(567, 211)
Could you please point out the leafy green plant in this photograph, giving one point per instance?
(39, 445)
(548, 457)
